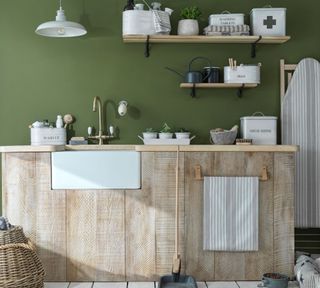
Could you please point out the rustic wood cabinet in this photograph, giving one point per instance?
(119, 235)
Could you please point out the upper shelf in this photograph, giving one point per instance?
(253, 40)
(205, 39)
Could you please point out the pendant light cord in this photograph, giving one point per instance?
(60, 4)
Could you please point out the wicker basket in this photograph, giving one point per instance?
(20, 267)
(13, 235)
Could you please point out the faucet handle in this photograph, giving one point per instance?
(111, 130)
(90, 131)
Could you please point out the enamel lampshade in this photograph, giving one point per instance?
(61, 27)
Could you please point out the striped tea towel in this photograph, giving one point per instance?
(227, 29)
(228, 34)
(231, 213)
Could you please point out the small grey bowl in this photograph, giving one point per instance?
(224, 137)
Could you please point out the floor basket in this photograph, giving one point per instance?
(20, 267)
(13, 235)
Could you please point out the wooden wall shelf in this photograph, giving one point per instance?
(202, 39)
(205, 39)
(239, 86)
(217, 85)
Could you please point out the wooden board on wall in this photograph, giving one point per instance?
(164, 195)
(29, 202)
(198, 262)
(284, 164)
(140, 226)
(96, 235)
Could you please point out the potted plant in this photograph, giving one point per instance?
(182, 134)
(165, 132)
(150, 133)
(189, 24)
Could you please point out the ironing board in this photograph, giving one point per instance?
(300, 113)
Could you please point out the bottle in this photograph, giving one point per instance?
(129, 6)
(59, 122)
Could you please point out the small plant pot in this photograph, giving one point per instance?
(165, 135)
(150, 135)
(182, 135)
(188, 27)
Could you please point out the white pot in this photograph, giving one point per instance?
(165, 135)
(150, 135)
(188, 27)
(182, 135)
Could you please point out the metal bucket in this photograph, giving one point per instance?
(169, 281)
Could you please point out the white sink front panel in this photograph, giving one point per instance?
(96, 170)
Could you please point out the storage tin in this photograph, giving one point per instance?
(242, 74)
(141, 22)
(226, 19)
(268, 21)
(48, 136)
(261, 129)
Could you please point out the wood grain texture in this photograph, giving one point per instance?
(29, 202)
(284, 213)
(198, 261)
(96, 235)
(205, 39)
(51, 221)
(140, 226)
(164, 194)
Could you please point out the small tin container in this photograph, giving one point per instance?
(211, 74)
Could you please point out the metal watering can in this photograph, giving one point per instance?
(193, 76)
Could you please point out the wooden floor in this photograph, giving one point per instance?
(231, 284)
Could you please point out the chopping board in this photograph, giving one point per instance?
(300, 109)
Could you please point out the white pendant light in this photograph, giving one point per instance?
(61, 27)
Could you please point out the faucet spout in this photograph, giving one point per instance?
(100, 136)
(95, 101)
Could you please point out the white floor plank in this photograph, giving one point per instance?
(56, 285)
(81, 285)
(220, 284)
(201, 285)
(110, 285)
(141, 285)
(248, 284)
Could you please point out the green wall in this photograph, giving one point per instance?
(42, 77)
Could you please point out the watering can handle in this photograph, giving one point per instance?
(203, 58)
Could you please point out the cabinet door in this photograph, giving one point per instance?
(210, 265)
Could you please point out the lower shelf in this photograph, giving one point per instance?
(218, 85)
(239, 86)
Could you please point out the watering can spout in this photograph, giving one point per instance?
(174, 71)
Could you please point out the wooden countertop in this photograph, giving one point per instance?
(152, 148)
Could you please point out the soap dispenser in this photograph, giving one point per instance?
(59, 122)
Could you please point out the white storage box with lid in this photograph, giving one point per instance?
(48, 136)
(261, 129)
(141, 22)
(226, 19)
(247, 74)
(268, 21)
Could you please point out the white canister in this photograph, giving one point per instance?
(261, 129)
(246, 74)
(48, 136)
(268, 21)
(226, 19)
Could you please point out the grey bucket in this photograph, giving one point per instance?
(169, 281)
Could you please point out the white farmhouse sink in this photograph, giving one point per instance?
(96, 170)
